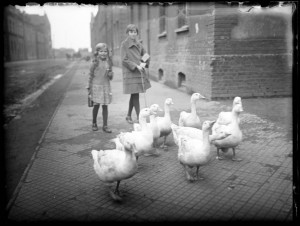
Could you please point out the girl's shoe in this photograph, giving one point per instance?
(129, 119)
(95, 127)
(106, 129)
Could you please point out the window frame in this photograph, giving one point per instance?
(182, 27)
(162, 20)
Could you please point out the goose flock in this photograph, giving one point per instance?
(193, 139)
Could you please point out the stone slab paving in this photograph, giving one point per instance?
(60, 183)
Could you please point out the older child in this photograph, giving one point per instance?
(99, 84)
(135, 80)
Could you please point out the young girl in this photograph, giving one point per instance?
(99, 84)
(135, 80)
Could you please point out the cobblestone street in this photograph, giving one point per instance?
(60, 182)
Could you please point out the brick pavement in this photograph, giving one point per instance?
(60, 183)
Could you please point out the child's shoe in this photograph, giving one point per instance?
(95, 127)
(129, 120)
(106, 129)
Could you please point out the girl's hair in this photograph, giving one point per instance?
(102, 46)
(132, 27)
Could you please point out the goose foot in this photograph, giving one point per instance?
(219, 158)
(164, 146)
(197, 174)
(236, 159)
(233, 157)
(191, 178)
(115, 196)
(153, 153)
(156, 153)
(218, 154)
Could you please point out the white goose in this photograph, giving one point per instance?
(153, 125)
(164, 123)
(225, 118)
(233, 128)
(195, 152)
(195, 133)
(116, 165)
(191, 119)
(143, 139)
(154, 108)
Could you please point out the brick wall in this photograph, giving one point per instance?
(252, 53)
(186, 52)
(223, 53)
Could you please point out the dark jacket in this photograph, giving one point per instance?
(133, 80)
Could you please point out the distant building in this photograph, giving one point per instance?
(84, 52)
(216, 49)
(62, 52)
(26, 37)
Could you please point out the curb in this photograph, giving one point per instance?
(19, 185)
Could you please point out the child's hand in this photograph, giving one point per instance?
(110, 75)
(143, 65)
(141, 69)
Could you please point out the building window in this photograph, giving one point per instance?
(131, 14)
(10, 25)
(116, 34)
(181, 80)
(182, 16)
(182, 21)
(162, 19)
(160, 74)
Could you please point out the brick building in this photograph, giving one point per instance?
(219, 50)
(26, 37)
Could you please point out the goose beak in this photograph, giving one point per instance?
(241, 108)
(153, 112)
(212, 122)
(159, 109)
(113, 140)
(135, 151)
(201, 97)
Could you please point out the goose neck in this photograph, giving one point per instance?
(205, 135)
(152, 117)
(167, 110)
(143, 122)
(129, 154)
(235, 115)
(193, 107)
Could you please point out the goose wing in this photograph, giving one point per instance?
(137, 127)
(182, 118)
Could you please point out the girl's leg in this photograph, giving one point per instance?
(130, 107)
(136, 103)
(105, 116)
(95, 114)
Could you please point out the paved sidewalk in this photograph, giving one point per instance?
(60, 183)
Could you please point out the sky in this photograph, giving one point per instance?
(70, 24)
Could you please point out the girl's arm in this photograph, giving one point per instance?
(91, 74)
(125, 61)
(110, 72)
